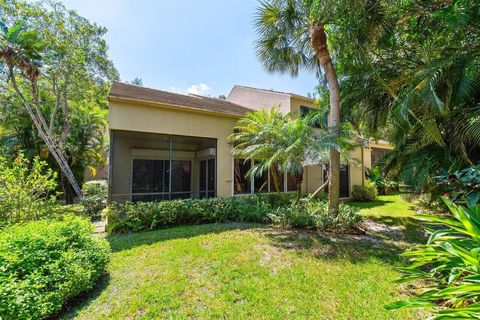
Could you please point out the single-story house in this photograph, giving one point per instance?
(166, 145)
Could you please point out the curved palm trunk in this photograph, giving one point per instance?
(47, 137)
(319, 44)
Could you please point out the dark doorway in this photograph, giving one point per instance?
(344, 179)
(207, 178)
(344, 182)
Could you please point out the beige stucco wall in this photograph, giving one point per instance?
(164, 120)
(295, 104)
(259, 99)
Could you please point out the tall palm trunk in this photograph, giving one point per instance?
(319, 44)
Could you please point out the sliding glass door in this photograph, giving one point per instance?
(207, 178)
(151, 180)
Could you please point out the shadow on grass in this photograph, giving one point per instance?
(74, 306)
(329, 246)
(370, 204)
(412, 228)
(122, 242)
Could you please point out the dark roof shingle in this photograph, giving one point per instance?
(126, 91)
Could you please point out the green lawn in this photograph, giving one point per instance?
(240, 271)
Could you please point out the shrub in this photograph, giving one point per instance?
(94, 198)
(462, 184)
(368, 192)
(26, 190)
(426, 203)
(271, 208)
(448, 265)
(153, 215)
(314, 214)
(43, 264)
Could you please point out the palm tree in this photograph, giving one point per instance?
(20, 50)
(425, 101)
(279, 141)
(292, 35)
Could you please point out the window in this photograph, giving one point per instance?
(242, 184)
(272, 181)
(150, 176)
(305, 111)
(150, 180)
(260, 183)
(181, 179)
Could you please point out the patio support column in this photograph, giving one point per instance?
(170, 150)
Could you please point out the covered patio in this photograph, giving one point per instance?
(150, 166)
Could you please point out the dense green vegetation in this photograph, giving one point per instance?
(27, 190)
(415, 82)
(46, 263)
(54, 77)
(268, 208)
(241, 270)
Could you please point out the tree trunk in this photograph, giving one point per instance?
(319, 44)
(298, 183)
(276, 184)
(48, 138)
(67, 189)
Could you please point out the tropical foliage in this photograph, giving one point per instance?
(27, 190)
(460, 185)
(417, 83)
(291, 36)
(55, 73)
(448, 265)
(315, 214)
(281, 142)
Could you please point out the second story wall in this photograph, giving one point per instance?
(258, 99)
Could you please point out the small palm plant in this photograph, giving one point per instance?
(448, 265)
(280, 141)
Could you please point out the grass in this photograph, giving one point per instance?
(240, 271)
(393, 210)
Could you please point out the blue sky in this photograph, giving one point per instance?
(201, 46)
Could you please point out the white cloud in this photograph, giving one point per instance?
(200, 89)
(176, 90)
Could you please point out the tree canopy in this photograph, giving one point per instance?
(70, 88)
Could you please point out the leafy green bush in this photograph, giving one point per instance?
(462, 184)
(448, 264)
(153, 215)
(314, 214)
(368, 192)
(26, 190)
(94, 197)
(44, 263)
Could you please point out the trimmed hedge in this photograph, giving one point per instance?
(44, 263)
